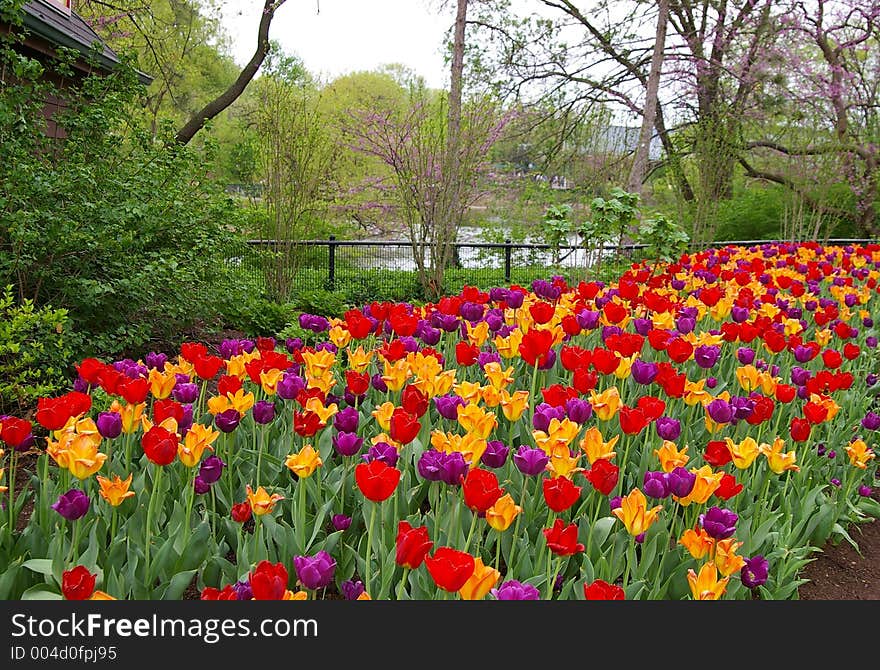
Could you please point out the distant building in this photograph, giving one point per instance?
(47, 25)
(624, 139)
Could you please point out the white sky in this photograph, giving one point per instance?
(349, 35)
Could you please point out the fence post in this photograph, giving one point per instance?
(331, 271)
(507, 256)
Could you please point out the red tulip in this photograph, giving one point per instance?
(228, 384)
(560, 493)
(160, 445)
(90, 369)
(413, 544)
(207, 367)
(162, 409)
(269, 581)
(573, 358)
(632, 420)
(785, 393)
(466, 354)
(190, 351)
(562, 539)
(728, 487)
(210, 593)
(542, 312)
(414, 401)
(679, 350)
(584, 380)
(604, 361)
(481, 490)
(450, 568)
(306, 424)
(815, 413)
(134, 391)
(78, 583)
(404, 426)
(14, 431)
(603, 476)
(799, 429)
(652, 407)
(717, 454)
(52, 413)
(357, 383)
(602, 590)
(851, 351)
(535, 345)
(831, 358)
(358, 325)
(376, 480)
(241, 512)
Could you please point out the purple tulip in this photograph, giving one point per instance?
(72, 505)
(742, 407)
(453, 468)
(485, 357)
(642, 326)
(745, 355)
(529, 461)
(498, 294)
(615, 503)
(685, 324)
(668, 428)
(719, 523)
(755, 572)
(109, 424)
(264, 412)
(382, 451)
(200, 486)
(347, 444)
(706, 355)
(156, 360)
(186, 392)
(289, 386)
(578, 410)
(739, 314)
(655, 484)
(544, 414)
(588, 319)
(346, 420)
(864, 490)
(680, 482)
(471, 311)
(495, 455)
(211, 469)
(352, 589)
(720, 411)
(515, 299)
(378, 383)
(550, 362)
(227, 421)
(515, 590)
(315, 572)
(871, 421)
(243, 590)
(341, 521)
(447, 406)
(644, 372)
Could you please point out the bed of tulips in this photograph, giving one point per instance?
(694, 430)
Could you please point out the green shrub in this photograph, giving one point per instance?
(34, 354)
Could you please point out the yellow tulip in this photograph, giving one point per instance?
(339, 336)
(116, 491)
(744, 453)
(83, 458)
(747, 376)
(168, 423)
(396, 374)
(508, 347)
(305, 462)
(595, 446)
(325, 382)
(490, 395)
(161, 384)
(471, 392)
(605, 404)
(706, 585)
(364, 596)
(382, 414)
(670, 456)
(480, 582)
(726, 558)
(474, 419)
(624, 367)
(131, 415)
(562, 463)
(634, 512)
(705, 485)
(315, 406)
(778, 460)
(697, 541)
(198, 439)
(297, 595)
(695, 394)
(318, 362)
(513, 406)
(359, 360)
(498, 377)
(477, 334)
(101, 595)
(269, 380)
(859, 454)
(502, 513)
(261, 502)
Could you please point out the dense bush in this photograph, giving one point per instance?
(117, 226)
(33, 352)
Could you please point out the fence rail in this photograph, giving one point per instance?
(388, 267)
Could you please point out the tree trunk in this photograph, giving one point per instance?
(198, 120)
(640, 159)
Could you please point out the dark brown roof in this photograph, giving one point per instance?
(70, 30)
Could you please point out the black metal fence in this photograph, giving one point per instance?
(366, 270)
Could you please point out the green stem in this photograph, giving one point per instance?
(113, 519)
(367, 569)
(532, 393)
(513, 539)
(260, 455)
(301, 514)
(13, 457)
(555, 575)
(74, 541)
(467, 542)
(402, 585)
(157, 480)
(498, 552)
(189, 506)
